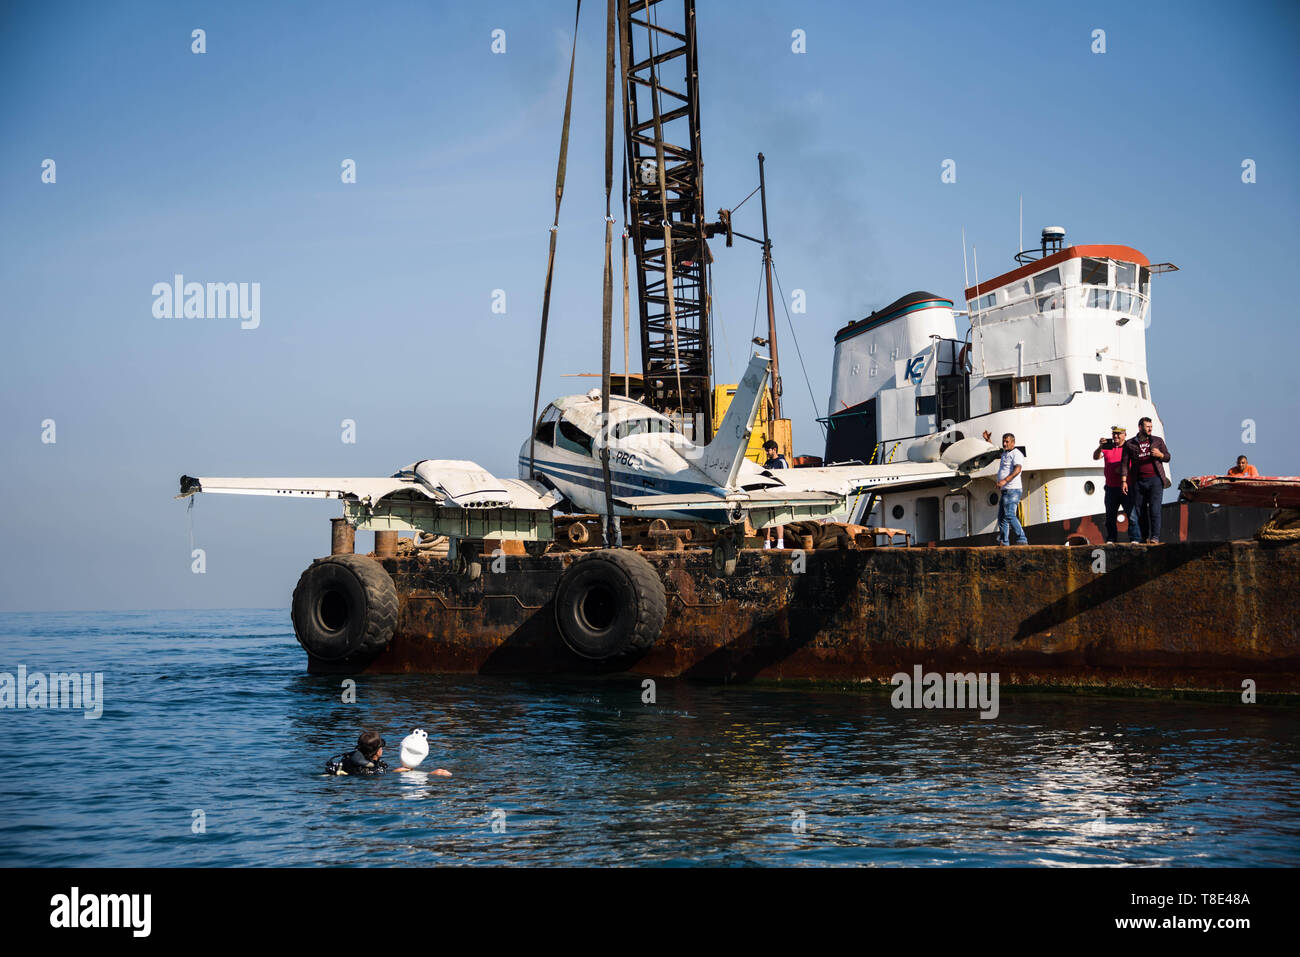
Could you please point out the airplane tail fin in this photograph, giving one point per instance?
(720, 459)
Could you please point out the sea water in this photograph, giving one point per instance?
(211, 740)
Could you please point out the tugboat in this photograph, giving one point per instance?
(1054, 352)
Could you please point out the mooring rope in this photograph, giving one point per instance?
(1282, 526)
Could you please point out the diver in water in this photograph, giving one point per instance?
(364, 761)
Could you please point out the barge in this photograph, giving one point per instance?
(1199, 615)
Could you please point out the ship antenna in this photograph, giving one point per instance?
(975, 254)
(965, 270)
(1022, 223)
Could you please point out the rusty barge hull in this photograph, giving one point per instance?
(1202, 616)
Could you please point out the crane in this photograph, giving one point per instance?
(665, 195)
(665, 174)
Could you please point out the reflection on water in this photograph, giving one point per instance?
(212, 712)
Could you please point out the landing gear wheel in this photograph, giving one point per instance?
(344, 606)
(725, 555)
(610, 603)
(469, 563)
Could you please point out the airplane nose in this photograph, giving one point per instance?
(970, 455)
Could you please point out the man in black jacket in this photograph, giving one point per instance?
(364, 761)
(1142, 467)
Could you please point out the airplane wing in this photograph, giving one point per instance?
(447, 482)
(805, 486)
(848, 479)
(764, 498)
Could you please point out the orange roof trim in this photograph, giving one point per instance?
(1123, 253)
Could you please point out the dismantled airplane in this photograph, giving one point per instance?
(654, 470)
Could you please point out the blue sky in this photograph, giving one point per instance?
(376, 295)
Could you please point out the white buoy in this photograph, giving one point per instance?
(415, 748)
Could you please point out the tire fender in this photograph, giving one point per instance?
(609, 603)
(344, 606)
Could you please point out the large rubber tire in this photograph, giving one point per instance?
(610, 603)
(344, 606)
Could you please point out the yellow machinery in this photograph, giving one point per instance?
(764, 426)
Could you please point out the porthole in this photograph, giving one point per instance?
(993, 498)
(956, 508)
(1089, 487)
(897, 512)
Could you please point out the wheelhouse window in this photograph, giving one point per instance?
(1131, 386)
(1095, 272)
(1023, 391)
(1091, 382)
(1000, 394)
(1015, 393)
(1113, 384)
(1098, 298)
(1126, 275)
(1047, 287)
(1143, 386)
(1047, 281)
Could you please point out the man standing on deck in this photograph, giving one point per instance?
(1142, 467)
(1009, 483)
(775, 460)
(1116, 498)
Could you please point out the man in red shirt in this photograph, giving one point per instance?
(1243, 469)
(1112, 450)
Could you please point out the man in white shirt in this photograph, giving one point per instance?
(1009, 470)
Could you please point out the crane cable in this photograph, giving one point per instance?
(560, 169)
(799, 352)
(607, 286)
(625, 49)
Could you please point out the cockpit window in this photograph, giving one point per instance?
(573, 438)
(546, 433)
(632, 427)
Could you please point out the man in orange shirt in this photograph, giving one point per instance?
(1243, 469)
